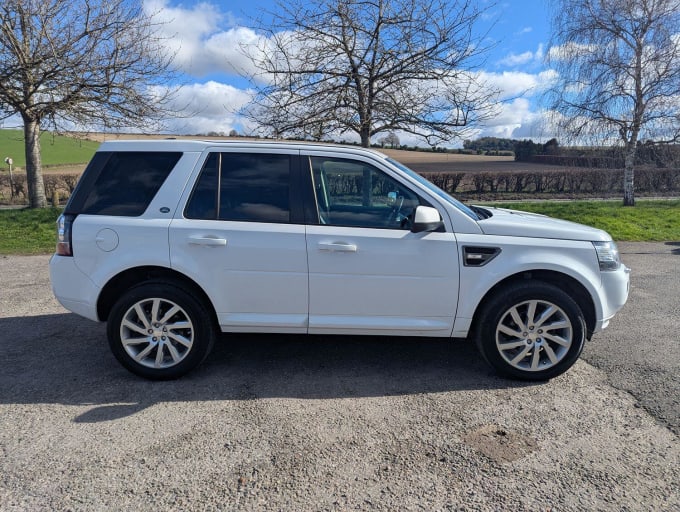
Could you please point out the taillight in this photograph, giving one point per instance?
(64, 224)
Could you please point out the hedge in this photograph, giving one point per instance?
(558, 182)
(61, 184)
(562, 182)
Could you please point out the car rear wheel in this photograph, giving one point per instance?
(531, 331)
(159, 331)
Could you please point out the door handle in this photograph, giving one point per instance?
(208, 241)
(337, 247)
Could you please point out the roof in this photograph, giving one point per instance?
(198, 145)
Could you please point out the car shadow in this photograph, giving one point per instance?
(65, 359)
(674, 244)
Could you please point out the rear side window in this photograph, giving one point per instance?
(125, 183)
(248, 187)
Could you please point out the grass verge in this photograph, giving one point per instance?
(647, 221)
(29, 231)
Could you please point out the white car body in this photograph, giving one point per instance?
(314, 278)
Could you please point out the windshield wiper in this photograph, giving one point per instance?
(482, 213)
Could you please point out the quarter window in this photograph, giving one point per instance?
(128, 181)
(248, 187)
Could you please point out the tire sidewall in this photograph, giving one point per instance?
(204, 330)
(497, 307)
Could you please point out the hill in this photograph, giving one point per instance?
(56, 149)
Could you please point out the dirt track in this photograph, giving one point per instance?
(323, 423)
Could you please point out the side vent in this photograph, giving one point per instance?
(479, 256)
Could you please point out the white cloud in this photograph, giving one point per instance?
(521, 59)
(208, 107)
(198, 39)
(516, 83)
(570, 50)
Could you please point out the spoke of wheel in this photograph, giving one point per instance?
(536, 358)
(159, 354)
(135, 341)
(179, 325)
(154, 310)
(180, 339)
(545, 315)
(167, 316)
(144, 352)
(518, 320)
(511, 345)
(521, 355)
(551, 353)
(562, 324)
(134, 327)
(142, 316)
(557, 339)
(531, 312)
(510, 332)
(173, 352)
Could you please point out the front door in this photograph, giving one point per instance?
(368, 273)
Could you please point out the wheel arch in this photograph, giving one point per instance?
(563, 281)
(131, 277)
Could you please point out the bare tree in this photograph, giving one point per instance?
(78, 63)
(390, 139)
(370, 66)
(619, 73)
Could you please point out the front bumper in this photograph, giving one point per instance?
(615, 290)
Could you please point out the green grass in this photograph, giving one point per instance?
(648, 220)
(28, 231)
(55, 150)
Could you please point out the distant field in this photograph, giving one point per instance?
(70, 154)
(56, 149)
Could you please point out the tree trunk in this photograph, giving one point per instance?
(629, 177)
(365, 136)
(34, 179)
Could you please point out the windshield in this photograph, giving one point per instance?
(436, 190)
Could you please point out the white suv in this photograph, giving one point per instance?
(172, 241)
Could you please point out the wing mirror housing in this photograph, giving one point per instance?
(426, 219)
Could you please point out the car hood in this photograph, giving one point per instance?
(517, 223)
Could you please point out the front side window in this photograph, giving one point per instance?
(248, 187)
(355, 194)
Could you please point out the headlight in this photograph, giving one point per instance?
(607, 255)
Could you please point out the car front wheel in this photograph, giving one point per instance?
(531, 331)
(159, 331)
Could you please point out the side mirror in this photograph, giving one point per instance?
(426, 219)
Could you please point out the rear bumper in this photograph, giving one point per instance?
(73, 289)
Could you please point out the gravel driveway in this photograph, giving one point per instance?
(337, 423)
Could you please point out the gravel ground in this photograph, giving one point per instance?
(640, 352)
(329, 423)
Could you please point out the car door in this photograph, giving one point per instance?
(239, 240)
(368, 273)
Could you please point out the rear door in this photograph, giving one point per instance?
(368, 273)
(239, 240)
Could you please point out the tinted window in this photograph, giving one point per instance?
(203, 202)
(242, 187)
(352, 193)
(127, 183)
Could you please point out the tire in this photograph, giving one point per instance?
(159, 331)
(531, 331)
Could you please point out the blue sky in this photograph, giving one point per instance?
(206, 36)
